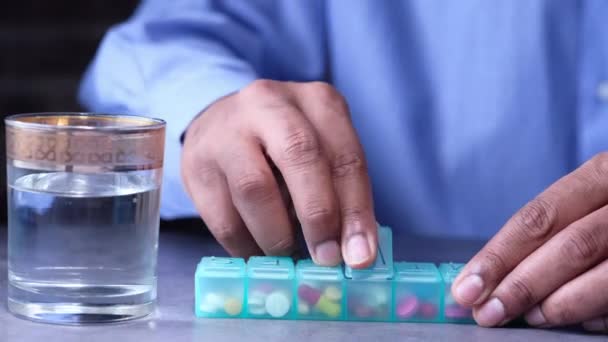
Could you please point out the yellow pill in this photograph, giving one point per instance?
(333, 293)
(233, 306)
(328, 307)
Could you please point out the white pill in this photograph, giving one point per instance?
(207, 308)
(277, 304)
(378, 296)
(256, 303)
(212, 302)
(303, 308)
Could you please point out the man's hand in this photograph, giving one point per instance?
(253, 154)
(550, 260)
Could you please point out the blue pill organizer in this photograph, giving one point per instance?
(275, 288)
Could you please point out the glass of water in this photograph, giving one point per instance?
(83, 207)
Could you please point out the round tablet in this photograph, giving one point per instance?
(233, 306)
(212, 302)
(309, 294)
(303, 308)
(332, 293)
(428, 310)
(378, 296)
(256, 303)
(363, 311)
(207, 308)
(407, 307)
(328, 307)
(277, 304)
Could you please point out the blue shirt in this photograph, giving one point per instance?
(466, 109)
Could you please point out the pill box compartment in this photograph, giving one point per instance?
(220, 287)
(369, 291)
(418, 291)
(270, 288)
(452, 311)
(320, 292)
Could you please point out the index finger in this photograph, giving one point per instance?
(293, 145)
(330, 115)
(570, 198)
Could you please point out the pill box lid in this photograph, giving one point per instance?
(307, 269)
(266, 267)
(221, 267)
(449, 271)
(416, 271)
(382, 268)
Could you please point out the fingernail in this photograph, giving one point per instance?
(357, 250)
(470, 289)
(491, 313)
(597, 324)
(535, 317)
(328, 253)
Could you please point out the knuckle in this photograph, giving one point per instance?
(317, 215)
(224, 232)
(536, 220)
(262, 89)
(495, 262)
(600, 164)
(329, 96)
(301, 147)
(254, 187)
(523, 293)
(348, 164)
(324, 91)
(580, 247)
(283, 246)
(209, 176)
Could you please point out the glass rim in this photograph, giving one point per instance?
(128, 123)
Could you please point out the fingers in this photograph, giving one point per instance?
(330, 116)
(569, 199)
(583, 299)
(209, 192)
(294, 146)
(255, 193)
(597, 325)
(569, 253)
(304, 131)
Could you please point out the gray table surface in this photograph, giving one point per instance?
(174, 321)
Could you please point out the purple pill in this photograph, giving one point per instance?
(457, 312)
(427, 310)
(309, 294)
(407, 307)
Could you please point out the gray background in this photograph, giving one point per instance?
(174, 321)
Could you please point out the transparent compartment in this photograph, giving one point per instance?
(270, 288)
(320, 292)
(418, 291)
(220, 287)
(452, 311)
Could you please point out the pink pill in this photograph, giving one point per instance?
(363, 311)
(457, 311)
(407, 307)
(427, 310)
(309, 294)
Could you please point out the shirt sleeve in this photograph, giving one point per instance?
(172, 59)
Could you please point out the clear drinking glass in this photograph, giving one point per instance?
(83, 207)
